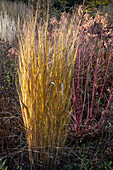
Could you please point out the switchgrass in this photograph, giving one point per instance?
(48, 51)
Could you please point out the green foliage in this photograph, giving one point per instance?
(91, 4)
(99, 2)
(19, 167)
(9, 72)
(107, 165)
(2, 165)
(65, 167)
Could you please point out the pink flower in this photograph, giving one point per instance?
(53, 21)
(12, 52)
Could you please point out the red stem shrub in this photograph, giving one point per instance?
(92, 84)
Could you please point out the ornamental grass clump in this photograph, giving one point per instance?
(92, 81)
(10, 20)
(48, 50)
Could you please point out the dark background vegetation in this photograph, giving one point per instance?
(69, 3)
(61, 5)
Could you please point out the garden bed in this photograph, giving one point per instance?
(81, 150)
(94, 151)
